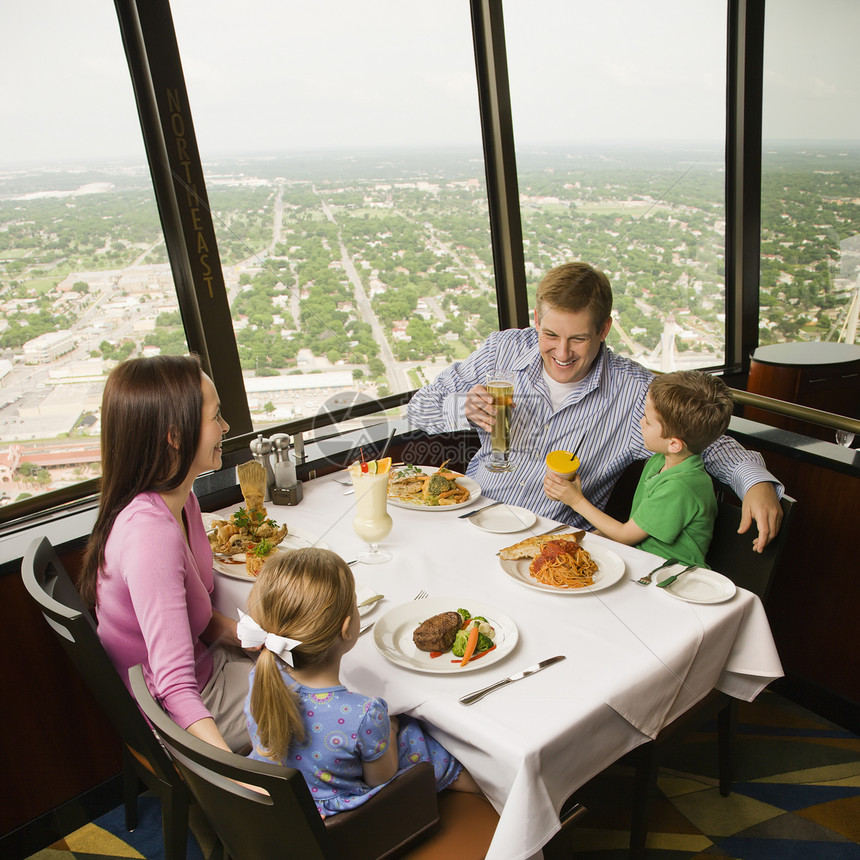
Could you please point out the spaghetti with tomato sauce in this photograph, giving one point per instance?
(563, 564)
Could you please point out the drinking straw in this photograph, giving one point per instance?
(385, 447)
(578, 446)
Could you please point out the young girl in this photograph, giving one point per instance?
(346, 745)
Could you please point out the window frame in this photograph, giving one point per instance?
(152, 51)
(744, 85)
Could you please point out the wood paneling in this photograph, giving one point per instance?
(814, 602)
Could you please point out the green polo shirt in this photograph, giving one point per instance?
(677, 508)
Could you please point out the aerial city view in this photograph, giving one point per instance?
(366, 275)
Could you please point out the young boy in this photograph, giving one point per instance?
(674, 505)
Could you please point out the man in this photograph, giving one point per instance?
(571, 392)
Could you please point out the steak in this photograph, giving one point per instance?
(437, 632)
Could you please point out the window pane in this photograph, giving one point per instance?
(619, 121)
(83, 274)
(341, 144)
(810, 172)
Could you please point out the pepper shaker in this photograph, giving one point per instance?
(287, 489)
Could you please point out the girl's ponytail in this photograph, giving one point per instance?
(275, 708)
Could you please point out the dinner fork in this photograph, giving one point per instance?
(670, 579)
(646, 580)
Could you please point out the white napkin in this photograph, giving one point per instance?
(362, 592)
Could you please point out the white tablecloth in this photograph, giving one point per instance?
(636, 658)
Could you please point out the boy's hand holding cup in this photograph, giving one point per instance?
(560, 482)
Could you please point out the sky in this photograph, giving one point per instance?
(289, 76)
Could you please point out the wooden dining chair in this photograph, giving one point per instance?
(730, 553)
(285, 823)
(144, 759)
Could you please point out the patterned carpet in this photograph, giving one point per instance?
(796, 797)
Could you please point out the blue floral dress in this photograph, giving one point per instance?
(344, 729)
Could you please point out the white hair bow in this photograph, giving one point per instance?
(251, 635)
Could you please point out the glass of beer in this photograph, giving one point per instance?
(500, 386)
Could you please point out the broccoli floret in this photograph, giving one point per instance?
(480, 618)
(464, 614)
(439, 484)
(484, 643)
(458, 649)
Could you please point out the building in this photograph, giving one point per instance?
(47, 347)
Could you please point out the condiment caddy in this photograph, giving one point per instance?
(282, 484)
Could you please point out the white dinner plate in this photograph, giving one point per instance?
(472, 486)
(503, 519)
(699, 586)
(610, 568)
(392, 634)
(234, 565)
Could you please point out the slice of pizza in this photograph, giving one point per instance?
(530, 547)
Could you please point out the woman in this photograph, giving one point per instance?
(148, 564)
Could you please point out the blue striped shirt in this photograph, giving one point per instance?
(600, 419)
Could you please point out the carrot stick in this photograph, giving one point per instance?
(470, 645)
(476, 656)
(481, 653)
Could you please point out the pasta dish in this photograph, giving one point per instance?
(563, 564)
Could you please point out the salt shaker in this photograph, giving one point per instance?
(287, 489)
(262, 450)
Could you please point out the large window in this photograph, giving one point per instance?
(619, 113)
(810, 266)
(343, 155)
(342, 150)
(84, 280)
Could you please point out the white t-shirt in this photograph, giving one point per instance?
(558, 391)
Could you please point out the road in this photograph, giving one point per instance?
(398, 379)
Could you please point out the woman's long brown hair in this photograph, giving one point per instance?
(144, 400)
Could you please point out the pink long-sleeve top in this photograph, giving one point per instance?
(154, 602)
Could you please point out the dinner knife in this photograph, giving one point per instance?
(472, 513)
(471, 698)
(670, 579)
